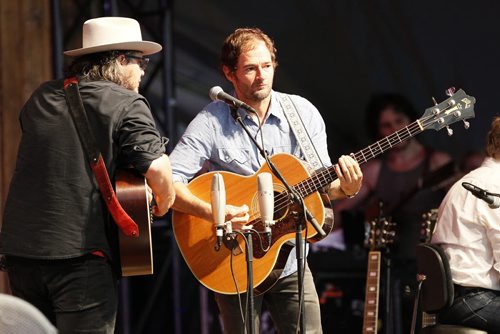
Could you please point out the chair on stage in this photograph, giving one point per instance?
(435, 291)
(19, 316)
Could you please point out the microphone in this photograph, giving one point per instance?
(218, 201)
(265, 193)
(216, 93)
(492, 200)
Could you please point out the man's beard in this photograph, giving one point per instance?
(128, 81)
(261, 95)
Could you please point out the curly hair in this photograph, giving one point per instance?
(98, 66)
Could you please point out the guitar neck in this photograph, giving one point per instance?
(370, 317)
(324, 177)
(458, 106)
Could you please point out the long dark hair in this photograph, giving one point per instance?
(381, 102)
(98, 66)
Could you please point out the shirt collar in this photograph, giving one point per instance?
(275, 108)
(491, 162)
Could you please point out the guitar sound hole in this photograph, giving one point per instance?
(280, 210)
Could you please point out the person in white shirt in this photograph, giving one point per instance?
(468, 229)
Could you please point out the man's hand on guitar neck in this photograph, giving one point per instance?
(349, 181)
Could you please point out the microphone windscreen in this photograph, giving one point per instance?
(265, 196)
(218, 199)
(468, 186)
(214, 91)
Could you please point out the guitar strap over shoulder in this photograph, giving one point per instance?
(300, 132)
(77, 111)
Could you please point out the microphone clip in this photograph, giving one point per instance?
(268, 231)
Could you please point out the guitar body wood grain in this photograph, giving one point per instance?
(136, 254)
(196, 237)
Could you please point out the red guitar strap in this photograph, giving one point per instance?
(121, 218)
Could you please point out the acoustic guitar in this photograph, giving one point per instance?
(136, 254)
(224, 270)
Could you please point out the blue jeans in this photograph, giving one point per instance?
(76, 295)
(282, 302)
(479, 308)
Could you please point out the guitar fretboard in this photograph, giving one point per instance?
(458, 107)
(326, 176)
(370, 318)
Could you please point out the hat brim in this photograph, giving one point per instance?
(145, 47)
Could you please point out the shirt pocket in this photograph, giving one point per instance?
(228, 156)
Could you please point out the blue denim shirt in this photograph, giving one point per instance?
(215, 141)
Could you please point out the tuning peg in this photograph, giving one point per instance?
(466, 124)
(450, 131)
(450, 91)
(434, 101)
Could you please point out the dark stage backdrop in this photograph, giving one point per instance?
(337, 53)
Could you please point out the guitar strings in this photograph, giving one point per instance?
(328, 175)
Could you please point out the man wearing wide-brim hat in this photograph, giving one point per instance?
(58, 238)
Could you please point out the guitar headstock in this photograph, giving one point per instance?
(428, 224)
(381, 233)
(458, 107)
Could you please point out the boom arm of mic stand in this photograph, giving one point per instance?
(296, 197)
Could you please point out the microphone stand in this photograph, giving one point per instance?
(249, 258)
(294, 198)
(247, 234)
